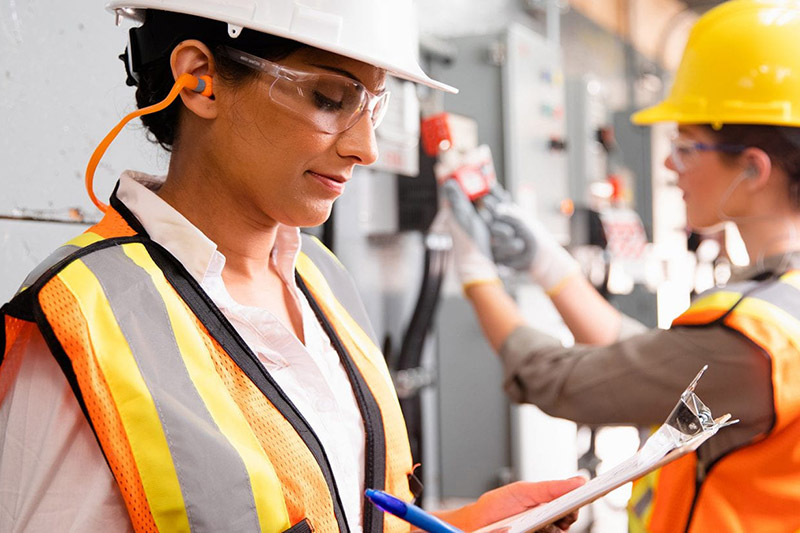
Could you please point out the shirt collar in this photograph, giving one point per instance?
(166, 226)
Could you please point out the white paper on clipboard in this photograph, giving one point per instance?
(688, 426)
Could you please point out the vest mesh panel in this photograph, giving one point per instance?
(13, 327)
(58, 303)
(10, 366)
(295, 466)
(112, 225)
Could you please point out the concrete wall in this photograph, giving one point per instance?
(62, 89)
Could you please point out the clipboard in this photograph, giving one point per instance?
(688, 426)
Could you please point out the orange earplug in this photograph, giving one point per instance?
(204, 85)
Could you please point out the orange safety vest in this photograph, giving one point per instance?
(756, 487)
(196, 432)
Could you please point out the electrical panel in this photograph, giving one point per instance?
(535, 128)
(398, 134)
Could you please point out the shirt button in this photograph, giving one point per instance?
(323, 406)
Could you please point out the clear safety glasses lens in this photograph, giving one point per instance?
(330, 102)
(681, 152)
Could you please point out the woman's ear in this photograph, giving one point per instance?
(195, 58)
(757, 167)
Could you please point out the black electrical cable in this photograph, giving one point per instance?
(414, 338)
(413, 344)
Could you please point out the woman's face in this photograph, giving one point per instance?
(710, 185)
(279, 167)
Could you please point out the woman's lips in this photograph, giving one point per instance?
(335, 183)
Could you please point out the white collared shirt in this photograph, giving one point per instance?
(44, 458)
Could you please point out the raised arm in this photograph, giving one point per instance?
(500, 230)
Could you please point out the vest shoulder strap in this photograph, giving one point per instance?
(340, 282)
(716, 304)
(118, 225)
(20, 306)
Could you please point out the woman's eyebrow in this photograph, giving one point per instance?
(346, 73)
(337, 70)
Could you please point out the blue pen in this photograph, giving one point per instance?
(409, 512)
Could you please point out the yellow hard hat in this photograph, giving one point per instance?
(741, 65)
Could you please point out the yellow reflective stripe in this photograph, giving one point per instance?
(311, 274)
(85, 239)
(759, 309)
(131, 398)
(717, 300)
(643, 487)
(792, 278)
(267, 490)
(636, 524)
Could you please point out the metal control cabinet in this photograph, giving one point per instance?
(513, 85)
(473, 414)
(534, 119)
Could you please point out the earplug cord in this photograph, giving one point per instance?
(759, 261)
(200, 85)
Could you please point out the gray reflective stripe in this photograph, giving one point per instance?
(641, 506)
(57, 255)
(340, 282)
(742, 287)
(213, 479)
(781, 295)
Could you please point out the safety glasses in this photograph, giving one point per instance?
(684, 151)
(330, 102)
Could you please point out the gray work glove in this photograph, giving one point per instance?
(525, 244)
(513, 244)
(472, 248)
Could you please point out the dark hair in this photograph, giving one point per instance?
(781, 144)
(152, 43)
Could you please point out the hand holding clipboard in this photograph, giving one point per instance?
(687, 427)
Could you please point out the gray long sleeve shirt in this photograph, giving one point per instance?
(638, 379)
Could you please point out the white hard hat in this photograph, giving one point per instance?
(382, 33)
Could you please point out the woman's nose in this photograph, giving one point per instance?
(359, 141)
(670, 163)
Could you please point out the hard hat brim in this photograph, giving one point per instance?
(662, 112)
(404, 69)
(667, 112)
(417, 76)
